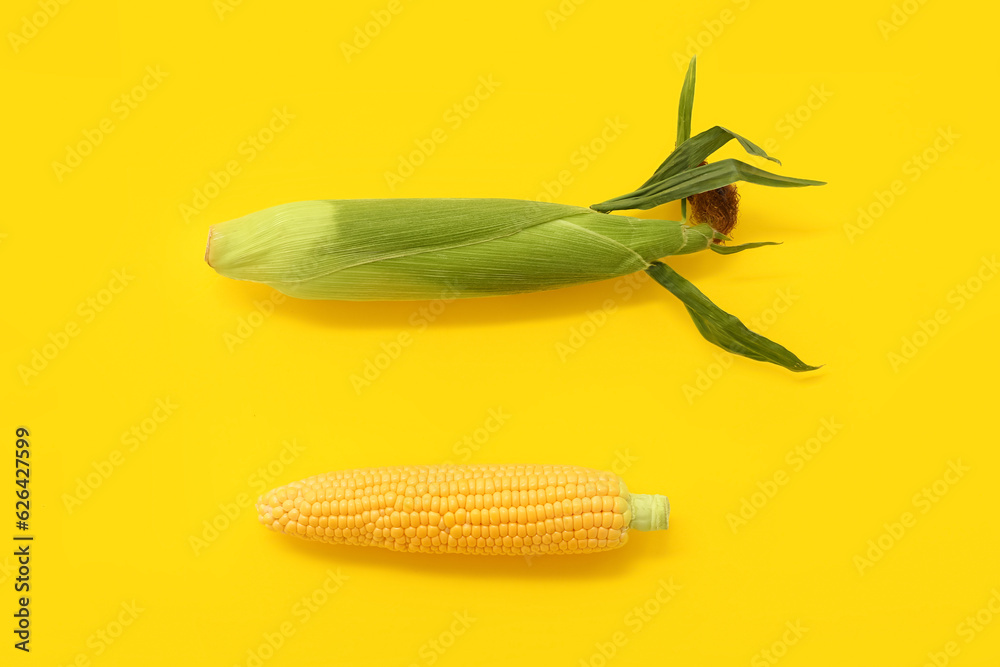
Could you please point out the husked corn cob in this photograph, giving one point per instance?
(470, 509)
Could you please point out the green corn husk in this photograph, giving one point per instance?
(418, 249)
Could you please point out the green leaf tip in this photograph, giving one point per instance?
(686, 103)
(733, 249)
(721, 328)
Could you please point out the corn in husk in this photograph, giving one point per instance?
(414, 249)
(417, 249)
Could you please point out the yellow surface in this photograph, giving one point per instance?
(193, 393)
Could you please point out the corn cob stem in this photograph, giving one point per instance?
(649, 511)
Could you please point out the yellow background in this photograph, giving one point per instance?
(643, 391)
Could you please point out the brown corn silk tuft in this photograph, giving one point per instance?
(719, 208)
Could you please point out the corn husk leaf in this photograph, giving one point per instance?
(698, 148)
(697, 180)
(721, 328)
(686, 104)
(689, 152)
(685, 108)
(732, 249)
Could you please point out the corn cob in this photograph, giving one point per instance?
(419, 249)
(469, 509)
